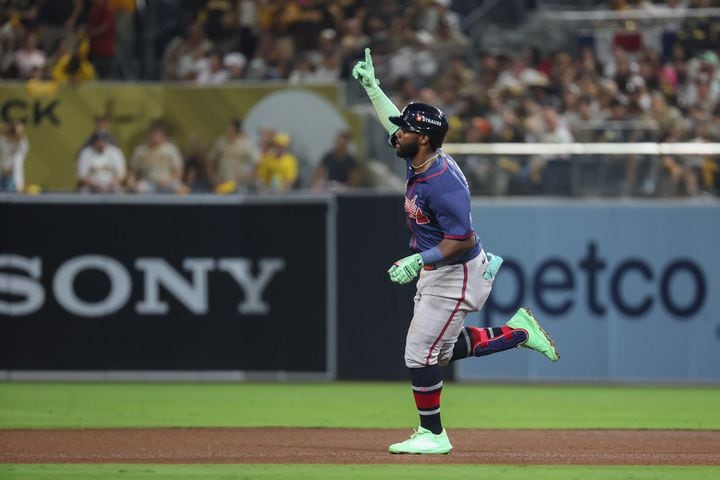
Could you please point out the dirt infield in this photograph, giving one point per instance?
(295, 445)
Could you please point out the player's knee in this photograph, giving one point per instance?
(413, 360)
(444, 360)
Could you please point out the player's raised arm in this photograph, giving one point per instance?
(364, 72)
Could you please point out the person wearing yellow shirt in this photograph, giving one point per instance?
(73, 67)
(278, 168)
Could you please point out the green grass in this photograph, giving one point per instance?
(364, 405)
(381, 405)
(354, 472)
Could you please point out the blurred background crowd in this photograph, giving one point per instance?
(514, 71)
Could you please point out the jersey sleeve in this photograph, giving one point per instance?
(82, 163)
(119, 159)
(452, 212)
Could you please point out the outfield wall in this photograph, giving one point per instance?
(201, 287)
(295, 287)
(168, 286)
(628, 289)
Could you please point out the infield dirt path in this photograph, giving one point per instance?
(295, 445)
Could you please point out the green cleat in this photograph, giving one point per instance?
(423, 442)
(538, 339)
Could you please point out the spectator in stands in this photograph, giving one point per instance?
(489, 69)
(38, 85)
(452, 102)
(156, 166)
(100, 166)
(481, 170)
(74, 67)
(327, 70)
(562, 69)
(249, 26)
(459, 75)
(10, 30)
(638, 97)
(654, 80)
(703, 92)
(272, 59)
(29, 57)
(405, 91)
(554, 128)
(437, 13)
(303, 71)
(181, 54)
(513, 79)
(302, 22)
(233, 159)
(220, 22)
(617, 128)
(509, 168)
(662, 113)
(414, 59)
(102, 126)
(448, 42)
(212, 71)
(338, 169)
(678, 170)
(265, 136)
(649, 67)
(100, 30)
(327, 45)
(195, 172)
(235, 63)
(58, 19)
(704, 167)
(14, 147)
(552, 171)
(24, 12)
(583, 118)
(125, 62)
(278, 168)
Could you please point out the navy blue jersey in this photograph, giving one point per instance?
(437, 203)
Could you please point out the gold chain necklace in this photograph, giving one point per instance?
(424, 163)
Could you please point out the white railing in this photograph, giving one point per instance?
(644, 148)
(654, 13)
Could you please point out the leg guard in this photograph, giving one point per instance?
(510, 338)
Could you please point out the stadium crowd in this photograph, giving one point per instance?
(634, 88)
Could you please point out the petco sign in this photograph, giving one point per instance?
(629, 286)
(626, 289)
(22, 292)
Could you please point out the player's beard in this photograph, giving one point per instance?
(408, 150)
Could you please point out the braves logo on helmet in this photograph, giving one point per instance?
(414, 212)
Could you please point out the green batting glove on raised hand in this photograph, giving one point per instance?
(403, 271)
(364, 72)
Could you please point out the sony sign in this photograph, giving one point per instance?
(22, 293)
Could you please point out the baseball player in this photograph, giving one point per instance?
(455, 273)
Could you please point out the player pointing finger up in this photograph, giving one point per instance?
(455, 273)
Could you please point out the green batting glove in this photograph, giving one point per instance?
(405, 270)
(494, 263)
(364, 72)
